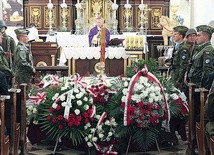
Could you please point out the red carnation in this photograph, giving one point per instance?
(77, 123)
(79, 118)
(85, 114)
(73, 120)
(60, 126)
(158, 107)
(70, 124)
(122, 104)
(92, 119)
(131, 110)
(149, 105)
(90, 112)
(60, 117)
(102, 100)
(140, 104)
(71, 115)
(54, 120)
(58, 107)
(143, 111)
(179, 101)
(51, 110)
(86, 121)
(49, 118)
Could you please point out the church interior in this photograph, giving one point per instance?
(109, 94)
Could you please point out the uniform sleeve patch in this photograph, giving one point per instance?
(207, 61)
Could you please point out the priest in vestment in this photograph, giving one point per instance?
(95, 33)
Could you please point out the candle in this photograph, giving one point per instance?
(63, 1)
(49, 1)
(114, 1)
(141, 1)
(78, 1)
(127, 1)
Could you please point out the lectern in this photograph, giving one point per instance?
(44, 53)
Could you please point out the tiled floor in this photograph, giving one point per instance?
(42, 149)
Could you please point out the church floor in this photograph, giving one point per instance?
(42, 149)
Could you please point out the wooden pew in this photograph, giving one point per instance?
(11, 122)
(200, 132)
(211, 145)
(21, 117)
(191, 126)
(4, 150)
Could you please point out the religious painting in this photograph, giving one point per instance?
(13, 12)
(35, 16)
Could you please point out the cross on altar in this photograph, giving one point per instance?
(102, 50)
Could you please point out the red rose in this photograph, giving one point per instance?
(140, 104)
(60, 126)
(60, 117)
(49, 118)
(90, 112)
(58, 107)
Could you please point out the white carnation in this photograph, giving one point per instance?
(125, 91)
(101, 135)
(94, 139)
(86, 139)
(78, 96)
(85, 99)
(86, 107)
(107, 122)
(123, 99)
(76, 90)
(110, 134)
(64, 104)
(125, 84)
(93, 130)
(79, 102)
(89, 144)
(72, 97)
(150, 100)
(34, 110)
(77, 111)
(89, 136)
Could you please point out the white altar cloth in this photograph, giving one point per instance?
(66, 39)
(90, 53)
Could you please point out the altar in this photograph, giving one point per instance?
(83, 60)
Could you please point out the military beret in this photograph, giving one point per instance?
(21, 31)
(205, 28)
(3, 24)
(181, 29)
(191, 31)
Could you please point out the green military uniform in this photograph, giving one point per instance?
(180, 58)
(8, 43)
(4, 66)
(202, 60)
(23, 60)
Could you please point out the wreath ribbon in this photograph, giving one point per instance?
(133, 81)
(78, 81)
(38, 98)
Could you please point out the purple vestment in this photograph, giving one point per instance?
(94, 31)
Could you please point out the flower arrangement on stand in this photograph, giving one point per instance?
(144, 108)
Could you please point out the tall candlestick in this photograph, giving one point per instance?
(63, 1)
(127, 1)
(49, 1)
(141, 1)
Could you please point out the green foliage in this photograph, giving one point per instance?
(139, 64)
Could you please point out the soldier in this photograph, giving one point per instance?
(203, 58)
(23, 59)
(180, 56)
(8, 43)
(4, 65)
